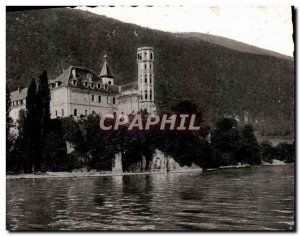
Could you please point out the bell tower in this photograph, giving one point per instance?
(145, 61)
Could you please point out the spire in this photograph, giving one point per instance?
(105, 71)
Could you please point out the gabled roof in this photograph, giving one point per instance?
(105, 71)
(18, 94)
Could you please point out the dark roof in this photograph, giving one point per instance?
(105, 71)
(129, 86)
(65, 76)
(18, 94)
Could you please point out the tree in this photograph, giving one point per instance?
(31, 130)
(8, 125)
(43, 115)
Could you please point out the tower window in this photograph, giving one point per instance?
(146, 94)
(74, 82)
(151, 55)
(114, 100)
(99, 99)
(75, 112)
(109, 82)
(146, 78)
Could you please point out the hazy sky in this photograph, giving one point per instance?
(266, 27)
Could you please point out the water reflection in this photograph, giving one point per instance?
(258, 198)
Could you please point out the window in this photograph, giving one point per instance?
(146, 78)
(75, 112)
(74, 82)
(56, 113)
(85, 112)
(150, 66)
(114, 100)
(150, 95)
(145, 66)
(93, 98)
(98, 86)
(141, 95)
(146, 94)
(99, 99)
(21, 102)
(62, 112)
(150, 78)
(109, 82)
(107, 99)
(151, 55)
(92, 85)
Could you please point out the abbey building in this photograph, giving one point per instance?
(79, 91)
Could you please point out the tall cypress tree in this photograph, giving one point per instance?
(8, 125)
(31, 129)
(43, 112)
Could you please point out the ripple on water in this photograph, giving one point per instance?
(259, 198)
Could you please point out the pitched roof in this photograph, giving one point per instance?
(65, 76)
(105, 71)
(18, 94)
(129, 86)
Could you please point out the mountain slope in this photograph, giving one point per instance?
(233, 44)
(218, 79)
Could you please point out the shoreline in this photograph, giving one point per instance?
(91, 174)
(77, 174)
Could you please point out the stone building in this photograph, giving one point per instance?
(80, 91)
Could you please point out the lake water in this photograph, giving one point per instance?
(256, 198)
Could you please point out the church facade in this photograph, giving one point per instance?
(80, 92)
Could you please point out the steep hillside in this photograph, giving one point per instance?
(218, 79)
(233, 44)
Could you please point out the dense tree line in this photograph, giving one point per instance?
(28, 151)
(43, 144)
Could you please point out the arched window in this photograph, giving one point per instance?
(141, 95)
(150, 78)
(74, 82)
(109, 82)
(146, 94)
(92, 85)
(145, 66)
(151, 56)
(150, 95)
(98, 86)
(145, 78)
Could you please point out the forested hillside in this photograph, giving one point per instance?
(220, 80)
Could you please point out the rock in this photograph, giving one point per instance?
(117, 164)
